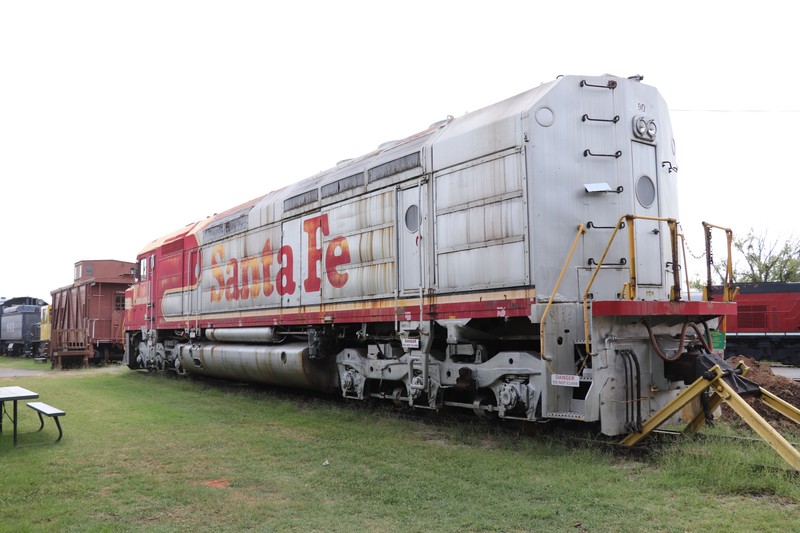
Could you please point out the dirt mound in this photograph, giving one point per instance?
(782, 387)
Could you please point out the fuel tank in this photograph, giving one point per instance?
(286, 365)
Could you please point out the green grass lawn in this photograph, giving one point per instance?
(148, 453)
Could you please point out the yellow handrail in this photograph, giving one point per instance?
(685, 267)
(547, 359)
(727, 294)
(591, 281)
(629, 291)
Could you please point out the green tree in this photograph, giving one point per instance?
(766, 260)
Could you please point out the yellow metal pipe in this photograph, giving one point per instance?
(724, 392)
(786, 409)
(632, 256)
(591, 281)
(727, 295)
(713, 402)
(729, 266)
(677, 403)
(759, 425)
(629, 292)
(685, 267)
(581, 231)
(675, 293)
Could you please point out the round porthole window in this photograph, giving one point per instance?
(645, 191)
(412, 218)
(545, 116)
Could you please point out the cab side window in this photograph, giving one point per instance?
(142, 269)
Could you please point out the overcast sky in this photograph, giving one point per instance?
(123, 121)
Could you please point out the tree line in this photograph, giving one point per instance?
(758, 259)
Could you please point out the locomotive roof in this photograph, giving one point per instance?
(194, 227)
(442, 144)
(762, 287)
(22, 300)
(24, 308)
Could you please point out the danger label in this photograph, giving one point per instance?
(564, 380)
(410, 343)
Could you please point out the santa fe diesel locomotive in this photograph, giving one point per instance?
(520, 260)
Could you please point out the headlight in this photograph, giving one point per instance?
(645, 128)
(640, 126)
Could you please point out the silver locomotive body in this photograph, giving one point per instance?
(518, 260)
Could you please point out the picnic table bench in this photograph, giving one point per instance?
(41, 409)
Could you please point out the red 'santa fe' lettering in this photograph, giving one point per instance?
(250, 277)
(266, 266)
(250, 267)
(284, 279)
(332, 260)
(232, 285)
(217, 256)
(312, 282)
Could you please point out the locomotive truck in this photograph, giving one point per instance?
(521, 260)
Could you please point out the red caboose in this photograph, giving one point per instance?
(88, 316)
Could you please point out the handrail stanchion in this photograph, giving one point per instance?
(547, 359)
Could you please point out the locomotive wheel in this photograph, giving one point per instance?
(397, 393)
(480, 403)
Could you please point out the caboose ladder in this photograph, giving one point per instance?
(723, 384)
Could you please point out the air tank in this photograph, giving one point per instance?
(243, 335)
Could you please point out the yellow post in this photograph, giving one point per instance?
(722, 392)
(759, 425)
(786, 409)
(632, 255)
(713, 402)
(677, 403)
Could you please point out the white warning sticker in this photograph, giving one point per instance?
(412, 343)
(565, 380)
